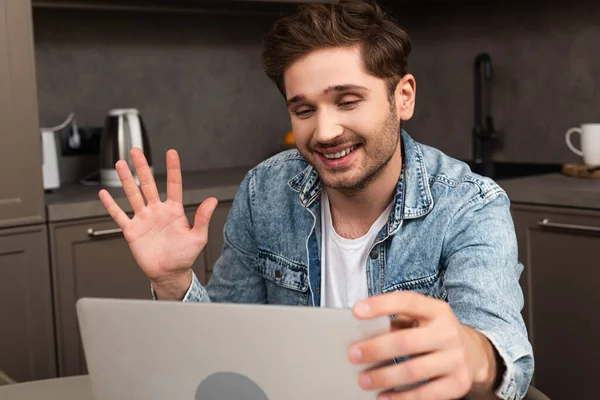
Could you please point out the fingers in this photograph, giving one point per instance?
(145, 177)
(174, 180)
(400, 343)
(113, 209)
(413, 371)
(409, 304)
(403, 322)
(129, 186)
(203, 216)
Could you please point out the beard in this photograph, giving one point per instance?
(378, 151)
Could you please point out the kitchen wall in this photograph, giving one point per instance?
(198, 83)
(547, 73)
(196, 79)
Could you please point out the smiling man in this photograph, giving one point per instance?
(361, 216)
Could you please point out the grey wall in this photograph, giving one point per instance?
(546, 58)
(196, 79)
(198, 82)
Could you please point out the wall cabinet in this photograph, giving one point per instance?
(22, 194)
(251, 7)
(26, 322)
(91, 258)
(561, 252)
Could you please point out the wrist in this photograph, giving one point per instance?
(486, 373)
(173, 286)
(485, 366)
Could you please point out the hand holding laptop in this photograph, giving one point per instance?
(453, 359)
(159, 235)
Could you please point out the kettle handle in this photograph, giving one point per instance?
(135, 131)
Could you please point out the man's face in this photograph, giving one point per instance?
(345, 123)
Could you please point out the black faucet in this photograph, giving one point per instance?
(483, 130)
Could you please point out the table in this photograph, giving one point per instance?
(70, 388)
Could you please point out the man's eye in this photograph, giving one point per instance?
(303, 112)
(347, 104)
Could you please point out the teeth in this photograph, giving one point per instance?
(340, 154)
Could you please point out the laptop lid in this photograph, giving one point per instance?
(151, 350)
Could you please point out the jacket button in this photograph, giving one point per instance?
(374, 255)
(278, 274)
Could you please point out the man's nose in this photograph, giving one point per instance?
(328, 131)
(328, 128)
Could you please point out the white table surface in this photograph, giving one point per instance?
(70, 388)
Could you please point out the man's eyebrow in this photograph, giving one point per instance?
(343, 88)
(334, 88)
(296, 99)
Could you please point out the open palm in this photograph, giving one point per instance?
(161, 239)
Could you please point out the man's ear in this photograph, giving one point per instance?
(405, 96)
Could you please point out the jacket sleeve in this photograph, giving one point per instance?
(234, 279)
(482, 282)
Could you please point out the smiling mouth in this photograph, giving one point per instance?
(340, 154)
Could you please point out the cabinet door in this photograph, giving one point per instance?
(22, 194)
(27, 350)
(215, 235)
(92, 259)
(561, 251)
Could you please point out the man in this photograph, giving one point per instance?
(360, 216)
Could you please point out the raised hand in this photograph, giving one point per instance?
(159, 235)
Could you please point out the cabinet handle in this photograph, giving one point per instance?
(546, 223)
(92, 233)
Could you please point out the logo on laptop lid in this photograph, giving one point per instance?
(229, 386)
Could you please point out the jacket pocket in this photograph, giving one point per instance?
(431, 286)
(281, 272)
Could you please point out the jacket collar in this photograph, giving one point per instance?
(413, 197)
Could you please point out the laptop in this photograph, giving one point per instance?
(151, 350)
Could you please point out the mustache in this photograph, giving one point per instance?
(337, 142)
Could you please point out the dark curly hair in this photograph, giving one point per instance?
(384, 45)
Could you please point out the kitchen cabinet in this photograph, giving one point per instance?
(560, 248)
(27, 349)
(291, 1)
(22, 194)
(91, 258)
(209, 6)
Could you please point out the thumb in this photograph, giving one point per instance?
(203, 216)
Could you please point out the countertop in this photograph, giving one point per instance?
(554, 190)
(75, 201)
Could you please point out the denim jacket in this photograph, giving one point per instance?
(449, 236)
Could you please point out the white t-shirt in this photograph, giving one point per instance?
(344, 261)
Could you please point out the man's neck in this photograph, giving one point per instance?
(353, 215)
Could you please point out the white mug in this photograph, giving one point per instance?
(590, 143)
